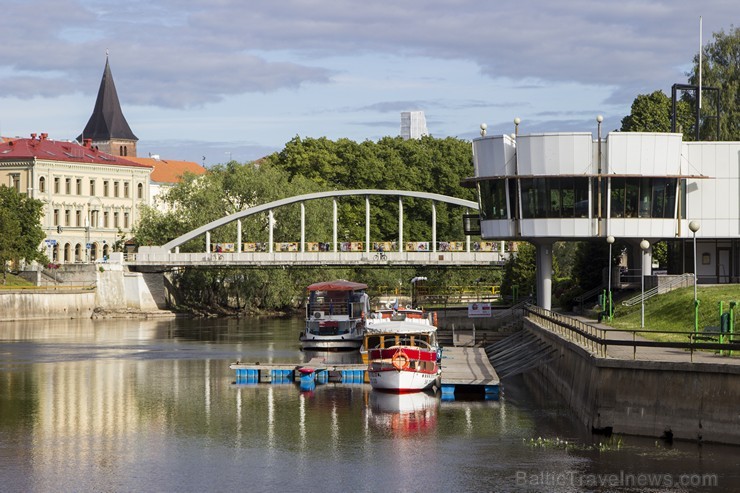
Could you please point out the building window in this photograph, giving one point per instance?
(68, 186)
(42, 184)
(643, 197)
(115, 220)
(105, 188)
(553, 197)
(79, 186)
(56, 184)
(140, 191)
(125, 220)
(78, 218)
(92, 188)
(15, 182)
(56, 217)
(115, 189)
(105, 219)
(120, 150)
(66, 217)
(94, 219)
(493, 199)
(125, 189)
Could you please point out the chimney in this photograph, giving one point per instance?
(44, 135)
(87, 142)
(33, 136)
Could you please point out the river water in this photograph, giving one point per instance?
(151, 405)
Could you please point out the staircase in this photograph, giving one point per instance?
(519, 353)
(502, 324)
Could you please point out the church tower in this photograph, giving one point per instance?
(107, 127)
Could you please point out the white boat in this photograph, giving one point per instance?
(335, 316)
(402, 351)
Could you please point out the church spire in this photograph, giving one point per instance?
(107, 126)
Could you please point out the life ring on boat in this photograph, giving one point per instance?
(400, 360)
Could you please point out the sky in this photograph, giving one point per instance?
(214, 80)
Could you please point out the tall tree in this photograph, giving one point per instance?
(652, 113)
(520, 271)
(721, 69)
(20, 228)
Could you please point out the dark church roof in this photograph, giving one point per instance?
(107, 121)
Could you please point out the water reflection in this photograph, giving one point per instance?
(404, 414)
(150, 406)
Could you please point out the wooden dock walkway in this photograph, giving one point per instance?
(466, 369)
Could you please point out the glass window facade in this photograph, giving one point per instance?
(492, 195)
(553, 197)
(643, 197)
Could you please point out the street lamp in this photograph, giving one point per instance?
(644, 244)
(694, 227)
(610, 240)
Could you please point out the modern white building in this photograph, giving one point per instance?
(632, 186)
(413, 125)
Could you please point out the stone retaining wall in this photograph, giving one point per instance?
(693, 401)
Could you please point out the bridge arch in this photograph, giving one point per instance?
(434, 197)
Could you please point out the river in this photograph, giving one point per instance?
(151, 405)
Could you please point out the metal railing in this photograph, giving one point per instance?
(676, 282)
(598, 339)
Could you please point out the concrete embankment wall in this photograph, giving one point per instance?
(115, 289)
(46, 304)
(694, 401)
(118, 290)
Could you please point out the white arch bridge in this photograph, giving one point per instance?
(302, 253)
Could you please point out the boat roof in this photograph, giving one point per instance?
(398, 327)
(338, 285)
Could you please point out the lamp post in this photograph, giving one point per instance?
(694, 227)
(610, 312)
(644, 244)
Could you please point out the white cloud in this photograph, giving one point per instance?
(318, 67)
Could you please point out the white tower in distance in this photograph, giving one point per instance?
(413, 125)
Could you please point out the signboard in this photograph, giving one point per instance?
(51, 242)
(478, 310)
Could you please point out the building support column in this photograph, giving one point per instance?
(208, 242)
(544, 275)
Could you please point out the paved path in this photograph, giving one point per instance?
(656, 353)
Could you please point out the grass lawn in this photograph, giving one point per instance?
(12, 282)
(674, 311)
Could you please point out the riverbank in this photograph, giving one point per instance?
(656, 392)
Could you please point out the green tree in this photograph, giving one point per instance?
(652, 113)
(721, 69)
(427, 164)
(21, 233)
(520, 271)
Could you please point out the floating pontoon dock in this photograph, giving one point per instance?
(468, 370)
(465, 371)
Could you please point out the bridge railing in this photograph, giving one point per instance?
(359, 246)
